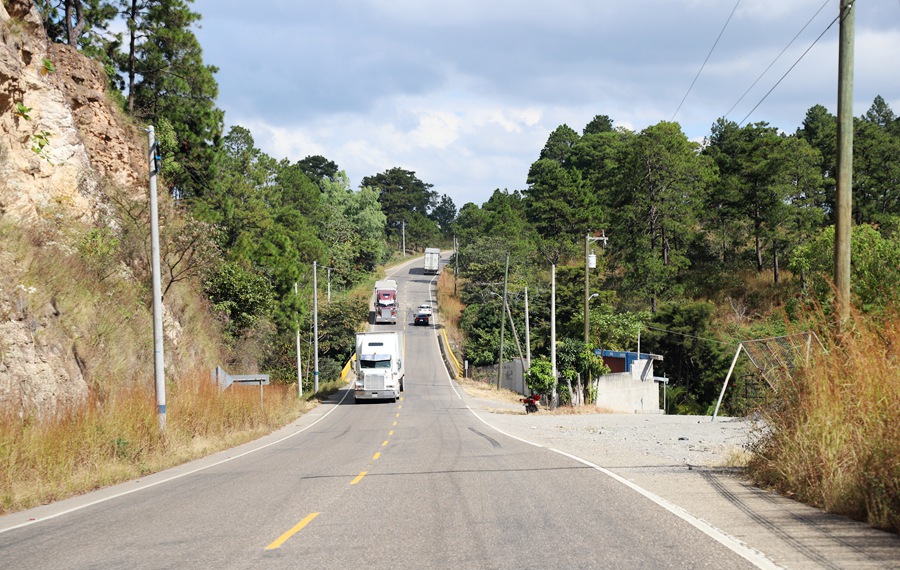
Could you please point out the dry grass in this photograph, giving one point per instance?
(450, 308)
(487, 391)
(835, 431)
(103, 443)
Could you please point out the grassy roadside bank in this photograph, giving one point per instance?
(104, 443)
(834, 439)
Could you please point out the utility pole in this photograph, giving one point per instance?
(527, 334)
(553, 332)
(502, 322)
(590, 262)
(315, 330)
(159, 374)
(299, 362)
(455, 263)
(844, 198)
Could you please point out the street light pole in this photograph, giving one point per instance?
(590, 261)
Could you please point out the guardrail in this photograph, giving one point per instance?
(450, 356)
(348, 368)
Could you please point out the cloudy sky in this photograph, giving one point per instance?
(464, 93)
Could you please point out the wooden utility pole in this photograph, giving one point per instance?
(844, 196)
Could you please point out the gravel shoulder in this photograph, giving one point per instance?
(694, 464)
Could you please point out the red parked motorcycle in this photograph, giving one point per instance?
(531, 403)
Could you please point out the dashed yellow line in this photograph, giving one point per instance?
(376, 456)
(384, 443)
(395, 424)
(297, 528)
(358, 478)
(391, 432)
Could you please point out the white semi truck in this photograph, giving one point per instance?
(379, 366)
(432, 260)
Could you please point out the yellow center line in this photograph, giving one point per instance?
(377, 455)
(400, 406)
(297, 528)
(391, 432)
(395, 424)
(358, 478)
(398, 415)
(384, 443)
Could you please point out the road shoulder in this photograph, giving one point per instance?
(685, 461)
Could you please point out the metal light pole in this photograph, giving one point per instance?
(553, 330)
(158, 355)
(299, 363)
(315, 330)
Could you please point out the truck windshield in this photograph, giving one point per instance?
(365, 363)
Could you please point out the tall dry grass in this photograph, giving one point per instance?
(450, 308)
(117, 439)
(834, 431)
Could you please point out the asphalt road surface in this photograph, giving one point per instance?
(422, 483)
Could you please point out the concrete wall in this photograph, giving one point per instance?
(626, 392)
(513, 375)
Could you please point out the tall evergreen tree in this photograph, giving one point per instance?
(176, 85)
(444, 214)
(656, 214)
(401, 193)
(559, 145)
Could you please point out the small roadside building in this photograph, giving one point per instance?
(630, 387)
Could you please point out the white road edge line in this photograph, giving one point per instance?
(174, 477)
(755, 557)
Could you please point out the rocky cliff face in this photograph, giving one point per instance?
(60, 141)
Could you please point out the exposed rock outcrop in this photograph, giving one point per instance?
(60, 136)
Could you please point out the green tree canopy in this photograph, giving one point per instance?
(400, 193)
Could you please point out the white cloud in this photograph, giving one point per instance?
(465, 93)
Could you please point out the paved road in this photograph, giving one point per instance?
(422, 483)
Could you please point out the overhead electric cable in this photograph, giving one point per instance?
(790, 69)
(778, 57)
(705, 60)
(688, 335)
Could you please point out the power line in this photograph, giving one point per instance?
(778, 57)
(790, 69)
(688, 335)
(705, 60)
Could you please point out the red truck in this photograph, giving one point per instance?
(386, 301)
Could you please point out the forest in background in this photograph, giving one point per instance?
(708, 243)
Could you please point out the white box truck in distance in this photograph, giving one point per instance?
(379, 366)
(432, 260)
